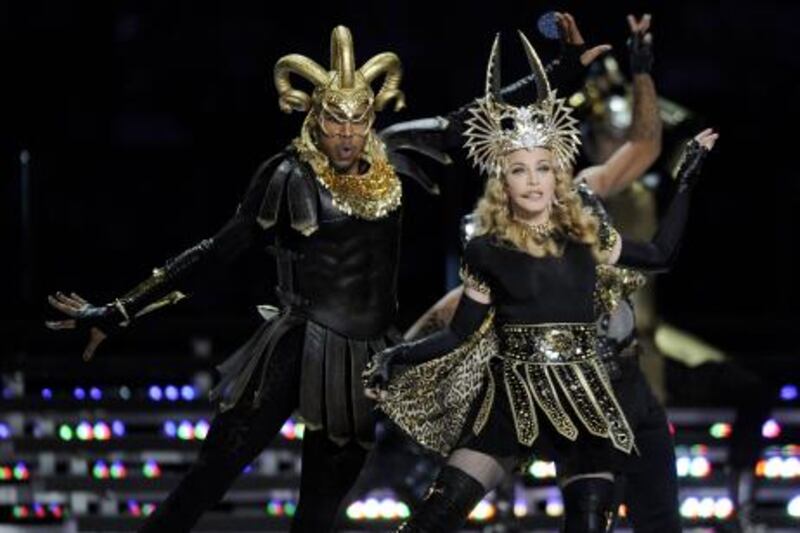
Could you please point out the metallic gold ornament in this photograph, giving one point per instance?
(496, 128)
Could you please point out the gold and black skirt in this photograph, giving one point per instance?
(540, 367)
(544, 365)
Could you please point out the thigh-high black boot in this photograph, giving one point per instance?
(588, 505)
(448, 503)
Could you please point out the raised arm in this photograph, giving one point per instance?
(660, 253)
(643, 145)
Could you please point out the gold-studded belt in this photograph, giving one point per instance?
(548, 344)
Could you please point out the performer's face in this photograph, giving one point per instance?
(343, 127)
(530, 182)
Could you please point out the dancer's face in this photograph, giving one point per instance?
(342, 134)
(530, 182)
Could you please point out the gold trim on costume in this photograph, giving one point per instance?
(613, 285)
(560, 359)
(371, 195)
(431, 401)
(473, 281)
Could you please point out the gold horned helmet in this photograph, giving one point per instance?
(343, 92)
(496, 128)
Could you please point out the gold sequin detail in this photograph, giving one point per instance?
(473, 281)
(607, 237)
(371, 195)
(431, 401)
(543, 361)
(613, 285)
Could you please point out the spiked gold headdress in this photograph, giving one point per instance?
(496, 128)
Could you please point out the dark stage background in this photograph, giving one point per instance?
(145, 120)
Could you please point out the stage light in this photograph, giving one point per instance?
(65, 432)
(154, 392)
(21, 511)
(102, 431)
(118, 470)
(56, 510)
(100, 470)
(771, 429)
(290, 508)
(170, 429)
(79, 393)
(47, 394)
(554, 508)
(201, 430)
(721, 430)
(542, 469)
(482, 512)
(185, 430)
(723, 508)
(171, 392)
(5, 473)
(134, 508)
(118, 428)
(793, 507)
(520, 509)
(151, 470)
(5, 431)
(21, 472)
(292, 430)
(84, 431)
(124, 393)
(39, 511)
(95, 394)
(188, 393)
(789, 392)
(700, 468)
(706, 508)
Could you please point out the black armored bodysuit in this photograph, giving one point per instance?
(337, 288)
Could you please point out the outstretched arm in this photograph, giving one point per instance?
(165, 285)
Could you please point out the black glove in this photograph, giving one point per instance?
(691, 163)
(379, 370)
(83, 315)
(640, 46)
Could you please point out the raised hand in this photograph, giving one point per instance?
(640, 44)
(571, 35)
(693, 156)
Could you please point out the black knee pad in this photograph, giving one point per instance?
(588, 506)
(447, 504)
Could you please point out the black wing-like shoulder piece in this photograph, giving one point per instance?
(426, 137)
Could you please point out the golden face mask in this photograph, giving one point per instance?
(342, 95)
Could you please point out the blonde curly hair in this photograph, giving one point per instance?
(570, 220)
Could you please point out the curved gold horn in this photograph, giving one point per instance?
(493, 71)
(387, 63)
(343, 57)
(289, 98)
(542, 84)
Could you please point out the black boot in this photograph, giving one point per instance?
(448, 503)
(588, 506)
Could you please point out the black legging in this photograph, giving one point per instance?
(237, 436)
(651, 485)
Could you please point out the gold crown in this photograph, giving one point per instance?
(496, 128)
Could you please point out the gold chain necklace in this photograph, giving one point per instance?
(371, 195)
(537, 232)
